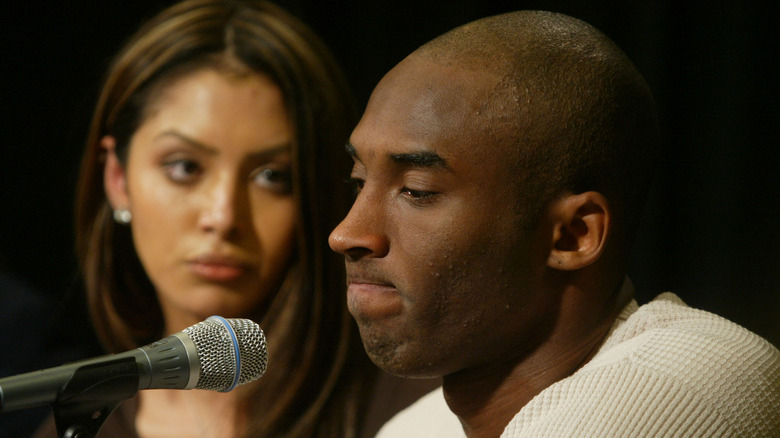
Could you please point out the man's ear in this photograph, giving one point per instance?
(581, 225)
(114, 178)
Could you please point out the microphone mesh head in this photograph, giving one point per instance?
(216, 352)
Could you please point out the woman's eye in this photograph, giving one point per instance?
(278, 180)
(182, 170)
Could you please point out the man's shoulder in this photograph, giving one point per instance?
(428, 417)
(665, 368)
(666, 333)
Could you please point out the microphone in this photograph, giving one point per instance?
(217, 354)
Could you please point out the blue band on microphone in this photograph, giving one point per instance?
(236, 350)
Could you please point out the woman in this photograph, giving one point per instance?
(208, 186)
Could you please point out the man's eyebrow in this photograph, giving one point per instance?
(351, 150)
(413, 159)
(420, 159)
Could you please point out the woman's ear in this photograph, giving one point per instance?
(581, 225)
(114, 178)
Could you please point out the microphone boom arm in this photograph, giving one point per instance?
(91, 394)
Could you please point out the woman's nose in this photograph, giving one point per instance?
(223, 212)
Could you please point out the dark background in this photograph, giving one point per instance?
(711, 231)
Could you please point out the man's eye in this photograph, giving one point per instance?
(356, 183)
(419, 197)
(182, 170)
(277, 180)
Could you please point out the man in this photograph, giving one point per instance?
(500, 173)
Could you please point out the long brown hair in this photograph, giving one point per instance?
(318, 372)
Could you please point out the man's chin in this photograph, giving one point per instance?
(400, 363)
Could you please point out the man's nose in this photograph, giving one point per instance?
(362, 232)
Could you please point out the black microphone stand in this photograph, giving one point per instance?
(92, 394)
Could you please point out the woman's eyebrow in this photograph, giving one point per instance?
(266, 152)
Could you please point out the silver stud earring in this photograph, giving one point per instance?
(122, 216)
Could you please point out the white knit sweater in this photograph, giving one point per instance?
(665, 370)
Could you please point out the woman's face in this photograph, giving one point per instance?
(208, 183)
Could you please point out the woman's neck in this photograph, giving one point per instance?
(187, 414)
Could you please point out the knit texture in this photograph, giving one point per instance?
(664, 370)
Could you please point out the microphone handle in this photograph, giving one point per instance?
(170, 363)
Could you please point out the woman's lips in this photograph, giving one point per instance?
(218, 269)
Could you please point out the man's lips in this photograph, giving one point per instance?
(371, 288)
(371, 298)
(366, 274)
(365, 280)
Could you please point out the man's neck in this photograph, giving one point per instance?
(487, 399)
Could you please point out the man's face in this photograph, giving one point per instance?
(442, 273)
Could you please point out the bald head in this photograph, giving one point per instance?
(511, 43)
(567, 102)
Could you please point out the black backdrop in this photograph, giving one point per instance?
(711, 231)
